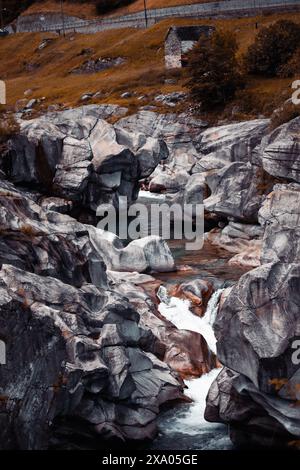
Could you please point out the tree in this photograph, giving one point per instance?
(214, 70)
(292, 67)
(273, 47)
(105, 6)
(11, 9)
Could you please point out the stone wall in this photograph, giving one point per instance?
(47, 22)
(172, 51)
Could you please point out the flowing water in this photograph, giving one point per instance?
(178, 312)
(184, 427)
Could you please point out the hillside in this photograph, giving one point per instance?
(47, 72)
(87, 9)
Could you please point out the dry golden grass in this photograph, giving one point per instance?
(138, 5)
(143, 72)
(84, 10)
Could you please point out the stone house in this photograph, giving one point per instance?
(180, 40)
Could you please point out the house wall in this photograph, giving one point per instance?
(186, 46)
(172, 51)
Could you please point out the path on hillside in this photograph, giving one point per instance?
(53, 22)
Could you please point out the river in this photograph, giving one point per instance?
(184, 427)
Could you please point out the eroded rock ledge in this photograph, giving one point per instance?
(256, 327)
(76, 356)
(76, 349)
(77, 155)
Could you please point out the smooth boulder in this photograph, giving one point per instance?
(280, 217)
(256, 329)
(280, 151)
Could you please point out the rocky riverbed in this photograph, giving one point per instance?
(101, 334)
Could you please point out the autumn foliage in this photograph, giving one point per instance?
(214, 70)
(273, 47)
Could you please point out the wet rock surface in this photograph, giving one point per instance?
(250, 424)
(245, 240)
(184, 351)
(198, 292)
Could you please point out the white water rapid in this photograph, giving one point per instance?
(188, 424)
(177, 311)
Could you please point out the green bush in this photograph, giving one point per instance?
(214, 70)
(273, 48)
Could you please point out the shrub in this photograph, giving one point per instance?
(285, 113)
(214, 70)
(29, 230)
(105, 6)
(8, 126)
(273, 47)
(265, 182)
(292, 67)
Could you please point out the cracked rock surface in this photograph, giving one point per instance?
(74, 355)
(77, 155)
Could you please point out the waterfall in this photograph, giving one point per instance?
(212, 307)
(177, 311)
(191, 422)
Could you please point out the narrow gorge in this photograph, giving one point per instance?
(141, 342)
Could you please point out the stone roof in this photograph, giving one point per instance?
(190, 33)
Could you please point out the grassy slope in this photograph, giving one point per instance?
(143, 71)
(87, 10)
